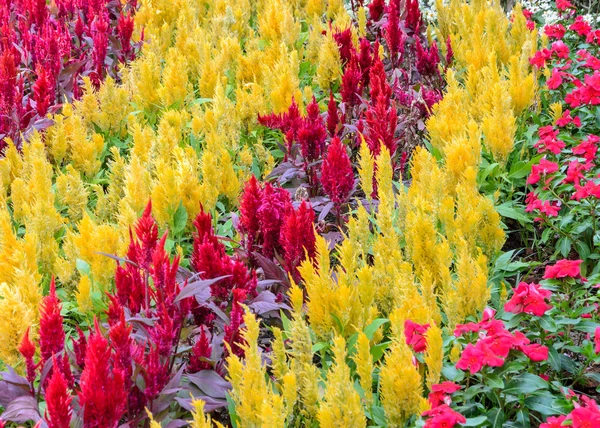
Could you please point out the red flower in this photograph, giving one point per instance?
(564, 269)
(337, 176)
(249, 223)
(540, 57)
(530, 299)
(333, 118)
(58, 400)
(587, 148)
(312, 133)
(443, 417)
(471, 359)
(597, 340)
(415, 335)
(500, 344)
(489, 356)
(52, 334)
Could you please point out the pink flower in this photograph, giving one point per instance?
(471, 359)
(584, 417)
(443, 417)
(544, 167)
(554, 422)
(540, 58)
(535, 352)
(597, 340)
(564, 269)
(556, 79)
(560, 49)
(415, 335)
(439, 393)
(556, 31)
(580, 26)
(563, 5)
(530, 299)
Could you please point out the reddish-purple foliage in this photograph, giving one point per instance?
(47, 48)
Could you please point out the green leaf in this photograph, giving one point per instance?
(180, 218)
(509, 211)
(374, 326)
(378, 350)
(525, 383)
(554, 359)
(475, 422)
(318, 346)
(496, 418)
(544, 405)
(564, 246)
(83, 267)
(548, 323)
(494, 381)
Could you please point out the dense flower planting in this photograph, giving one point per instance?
(323, 213)
(47, 52)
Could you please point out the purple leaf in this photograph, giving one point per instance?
(21, 410)
(199, 288)
(266, 302)
(12, 386)
(211, 383)
(270, 269)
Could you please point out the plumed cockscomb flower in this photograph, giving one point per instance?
(249, 224)
(274, 205)
(146, 231)
(337, 176)
(345, 44)
(333, 118)
(102, 395)
(200, 355)
(376, 8)
(298, 237)
(351, 89)
(42, 91)
(58, 400)
(125, 26)
(27, 350)
(52, 334)
(312, 133)
(233, 336)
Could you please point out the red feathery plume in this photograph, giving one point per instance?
(155, 370)
(345, 44)
(146, 231)
(233, 335)
(351, 89)
(427, 59)
(413, 18)
(275, 203)
(102, 395)
(312, 133)
(200, 355)
(249, 204)
(337, 176)
(376, 8)
(27, 350)
(79, 348)
(52, 334)
(42, 92)
(120, 338)
(100, 38)
(394, 36)
(298, 237)
(125, 30)
(58, 400)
